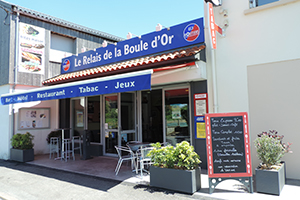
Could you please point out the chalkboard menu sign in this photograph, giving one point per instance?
(228, 146)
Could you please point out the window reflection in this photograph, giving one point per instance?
(177, 115)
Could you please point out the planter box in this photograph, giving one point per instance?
(187, 181)
(22, 155)
(270, 181)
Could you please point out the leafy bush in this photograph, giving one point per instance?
(182, 156)
(22, 141)
(270, 148)
(57, 133)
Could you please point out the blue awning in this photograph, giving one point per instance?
(105, 85)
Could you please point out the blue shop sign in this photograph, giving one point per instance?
(113, 84)
(186, 34)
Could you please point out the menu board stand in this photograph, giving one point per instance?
(228, 149)
(247, 181)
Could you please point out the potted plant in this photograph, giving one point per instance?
(175, 168)
(22, 147)
(270, 174)
(56, 133)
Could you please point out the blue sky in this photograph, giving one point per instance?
(118, 17)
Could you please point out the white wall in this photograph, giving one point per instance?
(5, 126)
(274, 95)
(192, 73)
(261, 36)
(40, 135)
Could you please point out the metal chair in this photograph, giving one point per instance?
(54, 146)
(77, 140)
(66, 153)
(124, 154)
(144, 159)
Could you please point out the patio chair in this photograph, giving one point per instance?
(125, 154)
(67, 151)
(76, 140)
(143, 159)
(54, 146)
(164, 144)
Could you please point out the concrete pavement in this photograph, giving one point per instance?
(22, 181)
(102, 168)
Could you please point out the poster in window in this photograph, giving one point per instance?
(31, 49)
(79, 118)
(34, 118)
(176, 111)
(200, 107)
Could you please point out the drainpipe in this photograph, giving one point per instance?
(213, 66)
(15, 67)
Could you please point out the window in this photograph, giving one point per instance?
(255, 3)
(177, 115)
(61, 47)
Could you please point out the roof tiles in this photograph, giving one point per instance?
(124, 65)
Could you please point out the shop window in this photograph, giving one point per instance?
(93, 111)
(78, 117)
(152, 116)
(177, 115)
(61, 47)
(255, 3)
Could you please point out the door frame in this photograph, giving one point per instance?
(119, 129)
(174, 87)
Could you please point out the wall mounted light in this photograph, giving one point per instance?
(159, 27)
(129, 35)
(223, 12)
(104, 43)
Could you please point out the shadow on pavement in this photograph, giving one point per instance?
(79, 179)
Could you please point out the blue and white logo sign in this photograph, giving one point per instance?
(66, 65)
(182, 35)
(191, 32)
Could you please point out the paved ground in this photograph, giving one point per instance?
(21, 181)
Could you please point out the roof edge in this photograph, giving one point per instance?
(61, 22)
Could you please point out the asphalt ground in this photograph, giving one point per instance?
(21, 181)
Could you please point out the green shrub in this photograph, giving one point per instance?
(182, 156)
(270, 148)
(56, 133)
(22, 141)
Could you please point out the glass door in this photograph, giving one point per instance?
(177, 115)
(119, 120)
(128, 118)
(93, 118)
(111, 123)
(78, 117)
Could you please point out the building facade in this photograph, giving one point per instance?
(152, 99)
(253, 69)
(32, 45)
(256, 68)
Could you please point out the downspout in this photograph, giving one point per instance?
(15, 67)
(213, 67)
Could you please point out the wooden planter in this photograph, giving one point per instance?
(20, 155)
(270, 181)
(187, 181)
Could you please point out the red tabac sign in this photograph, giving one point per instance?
(228, 145)
(212, 25)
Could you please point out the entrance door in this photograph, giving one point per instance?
(111, 123)
(119, 120)
(78, 117)
(128, 118)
